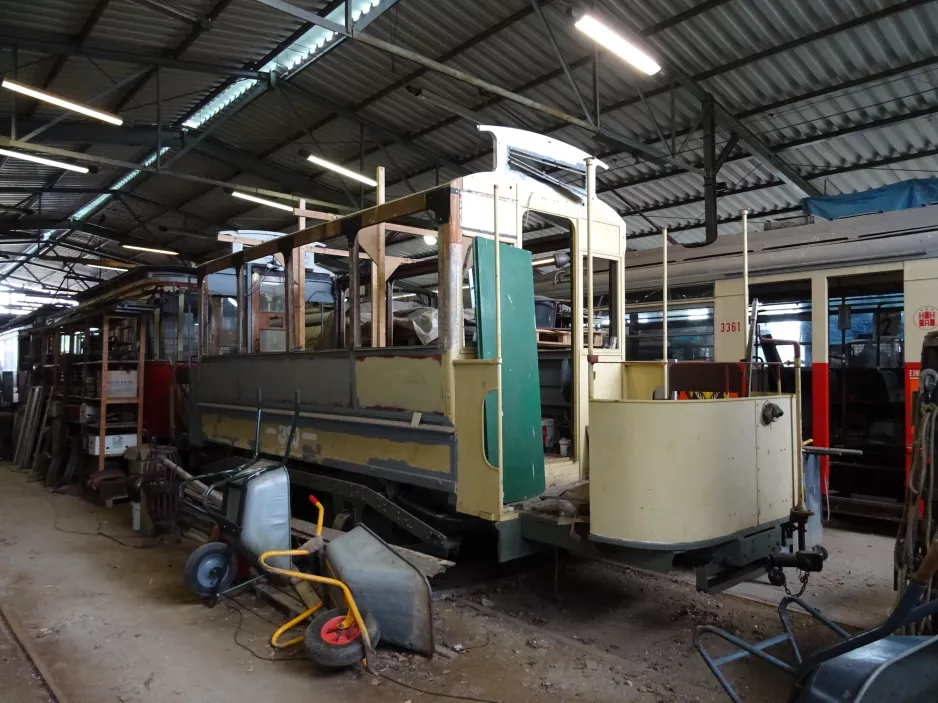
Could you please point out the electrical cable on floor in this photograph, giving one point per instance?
(240, 611)
(438, 694)
(99, 533)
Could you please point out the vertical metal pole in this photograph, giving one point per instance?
(498, 327)
(379, 301)
(590, 195)
(664, 309)
(745, 215)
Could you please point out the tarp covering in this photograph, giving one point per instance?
(898, 196)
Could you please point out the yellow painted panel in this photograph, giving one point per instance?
(480, 484)
(674, 472)
(315, 445)
(641, 379)
(409, 383)
(607, 380)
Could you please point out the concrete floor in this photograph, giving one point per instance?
(115, 624)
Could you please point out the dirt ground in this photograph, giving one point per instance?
(114, 623)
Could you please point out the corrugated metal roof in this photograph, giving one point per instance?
(756, 57)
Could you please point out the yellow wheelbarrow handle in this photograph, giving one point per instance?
(353, 608)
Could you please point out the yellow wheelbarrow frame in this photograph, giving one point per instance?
(354, 615)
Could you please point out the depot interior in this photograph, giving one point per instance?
(328, 298)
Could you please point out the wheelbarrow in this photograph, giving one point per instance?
(251, 516)
(868, 667)
(373, 592)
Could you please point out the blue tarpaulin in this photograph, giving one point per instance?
(899, 196)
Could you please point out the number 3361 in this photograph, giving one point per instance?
(730, 327)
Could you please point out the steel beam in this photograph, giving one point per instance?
(80, 40)
(607, 134)
(62, 45)
(704, 75)
(558, 53)
(747, 138)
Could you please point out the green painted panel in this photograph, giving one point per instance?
(521, 392)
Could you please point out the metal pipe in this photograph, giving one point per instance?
(744, 213)
(498, 328)
(590, 195)
(664, 309)
(333, 417)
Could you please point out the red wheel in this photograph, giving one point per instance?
(333, 633)
(329, 645)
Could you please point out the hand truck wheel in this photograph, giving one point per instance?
(211, 569)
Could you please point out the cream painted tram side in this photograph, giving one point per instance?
(860, 294)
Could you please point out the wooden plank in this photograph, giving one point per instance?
(408, 205)
(279, 599)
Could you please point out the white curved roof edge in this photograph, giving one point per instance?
(535, 143)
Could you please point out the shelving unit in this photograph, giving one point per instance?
(128, 329)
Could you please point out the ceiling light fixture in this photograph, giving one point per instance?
(262, 201)
(429, 239)
(152, 251)
(61, 102)
(617, 44)
(105, 266)
(40, 160)
(341, 170)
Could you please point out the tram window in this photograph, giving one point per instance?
(605, 301)
(690, 334)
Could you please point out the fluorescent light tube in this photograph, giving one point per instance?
(152, 251)
(617, 44)
(262, 201)
(41, 160)
(341, 170)
(61, 102)
(104, 266)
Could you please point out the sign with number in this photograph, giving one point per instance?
(889, 323)
(926, 317)
(731, 327)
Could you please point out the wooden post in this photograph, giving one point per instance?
(141, 362)
(379, 275)
(299, 278)
(289, 298)
(102, 412)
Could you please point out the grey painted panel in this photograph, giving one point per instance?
(324, 381)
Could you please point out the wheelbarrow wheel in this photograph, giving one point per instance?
(211, 569)
(330, 646)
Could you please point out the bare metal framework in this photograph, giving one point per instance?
(664, 149)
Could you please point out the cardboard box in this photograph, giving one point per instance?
(114, 444)
(120, 383)
(136, 456)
